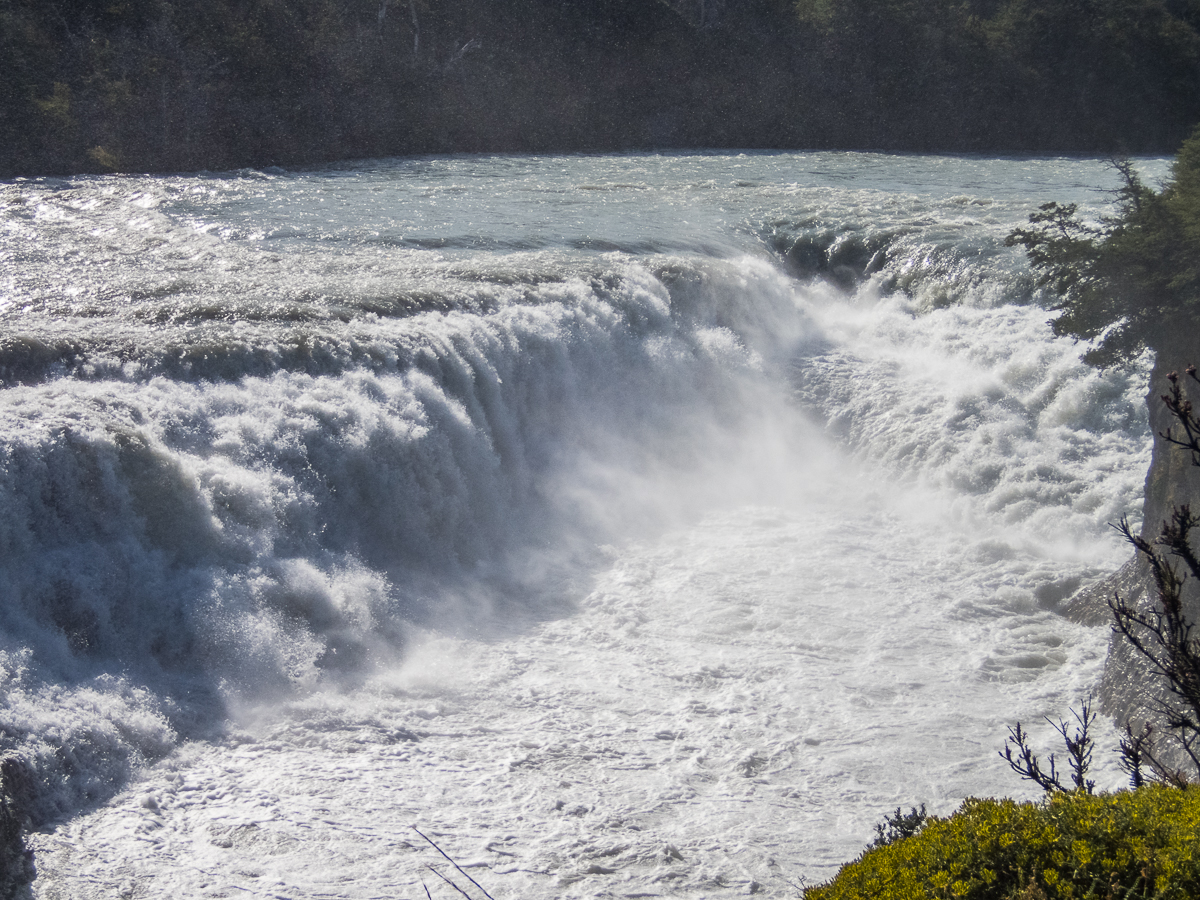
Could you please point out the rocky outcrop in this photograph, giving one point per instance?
(1128, 691)
(16, 861)
(1172, 479)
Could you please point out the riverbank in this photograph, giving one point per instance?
(184, 85)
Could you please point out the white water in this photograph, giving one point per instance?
(632, 526)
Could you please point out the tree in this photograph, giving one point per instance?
(1132, 282)
(1129, 284)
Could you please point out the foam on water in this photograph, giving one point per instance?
(208, 539)
(735, 704)
(550, 504)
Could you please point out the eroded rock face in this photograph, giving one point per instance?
(1128, 691)
(16, 861)
(1172, 479)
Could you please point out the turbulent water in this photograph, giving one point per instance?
(631, 526)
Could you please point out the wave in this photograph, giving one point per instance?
(210, 333)
(937, 269)
(186, 531)
(252, 447)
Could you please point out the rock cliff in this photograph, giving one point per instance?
(1127, 690)
(16, 862)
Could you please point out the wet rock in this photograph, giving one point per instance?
(16, 860)
(1129, 691)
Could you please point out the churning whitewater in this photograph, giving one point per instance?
(632, 526)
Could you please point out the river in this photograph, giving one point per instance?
(631, 525)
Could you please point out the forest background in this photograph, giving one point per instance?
(174, 85)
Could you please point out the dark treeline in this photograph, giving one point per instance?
(153, 85)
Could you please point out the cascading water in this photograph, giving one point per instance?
(634, 525)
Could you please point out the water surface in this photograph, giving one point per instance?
(632, 525)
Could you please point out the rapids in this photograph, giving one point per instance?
(637, 525)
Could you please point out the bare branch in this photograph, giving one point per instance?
(1079, 745)
(1163, 634)
(453, 863)
(448, 881)
(1026, 763)
(1134, 749)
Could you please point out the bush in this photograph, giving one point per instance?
(1132, 844)
(1133, 283)
(899, 825)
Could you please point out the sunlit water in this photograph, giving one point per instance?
(630, 525)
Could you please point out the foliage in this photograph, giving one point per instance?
(1079, 753)
(899, 825)
(1132, 282)
(96, 85)
(1017, 74)
(1132, 844)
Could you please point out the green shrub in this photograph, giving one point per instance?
(1071, 846)
(1133, 283)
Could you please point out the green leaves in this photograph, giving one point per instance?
(1060, 247)
(1133, 284)
(1072, 846)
